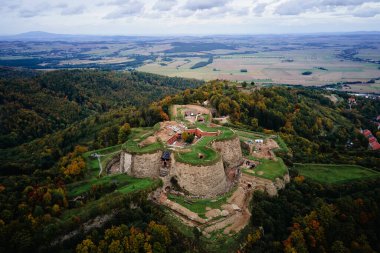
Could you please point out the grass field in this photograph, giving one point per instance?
(125, 184)
(364, 88)
(210, 156)
(335, 174)
(199, 205)
(93, 164)
(250, 135)
(203, 146)
(138, 135)
(271, 169)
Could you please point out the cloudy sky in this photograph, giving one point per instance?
(156, 17)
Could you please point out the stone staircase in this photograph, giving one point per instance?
(164, 172)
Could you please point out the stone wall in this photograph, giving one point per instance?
(230, 151)
(125, 162)
(201, 180)
(113, 166)
(146, 165)
(267, 185)
(141, 165)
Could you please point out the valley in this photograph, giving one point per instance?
(262, 59)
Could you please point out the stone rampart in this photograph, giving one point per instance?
(201, 180)
(230, 151)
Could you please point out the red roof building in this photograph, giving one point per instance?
(367, 133)
(373, 143)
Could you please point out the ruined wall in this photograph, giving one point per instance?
(125, 162)
(201, 180)
(113, 166)
(230, 151)
(146, 165)
(267, 185)
(141, 165)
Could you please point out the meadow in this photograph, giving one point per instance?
(268, 169)
(334, 173)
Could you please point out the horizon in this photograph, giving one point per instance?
(187, 34)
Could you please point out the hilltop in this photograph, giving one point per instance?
(219, 167)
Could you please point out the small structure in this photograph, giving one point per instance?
(259, 141)
(166, 163)
(373, 143)
(351, 102)
(165, 158)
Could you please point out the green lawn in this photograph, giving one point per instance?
(138, 135)
(93, 164)
(203, 146)
(210, 156)
(132, 147)
(124, 182)
(136, 184)
(271, 169)
(250, 135)
(334, 173)
(199, 205)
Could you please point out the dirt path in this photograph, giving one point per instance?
(265, 150)
(197, 108)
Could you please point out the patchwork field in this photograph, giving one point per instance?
(363, 88)
(270, 59)
(276, 67)
(335, 174)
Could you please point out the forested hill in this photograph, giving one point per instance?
(33, 104)
(315, 128)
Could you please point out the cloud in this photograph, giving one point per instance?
(367, 11)
(129, 8)
(164, 5)
(259, 8)
(34, 11)
(74, 10)
(195, 5)
(295, 7)
(188, 16)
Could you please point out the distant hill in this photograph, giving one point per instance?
(46, 36)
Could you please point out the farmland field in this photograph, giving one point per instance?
(335, 174)
(265, 60)
(277, 67)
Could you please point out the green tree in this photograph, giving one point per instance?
(338, 247)
(255, 123)
(86, 246)
(124, 132)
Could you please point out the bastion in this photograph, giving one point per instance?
(198, 169)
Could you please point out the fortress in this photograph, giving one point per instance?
(206, 166)
(203, 174)
(201, 161)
